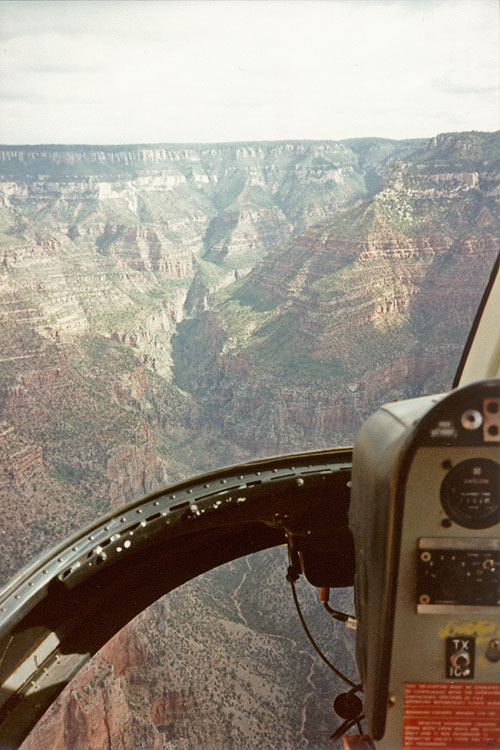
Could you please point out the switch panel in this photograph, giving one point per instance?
(460, 658)
(458, 576)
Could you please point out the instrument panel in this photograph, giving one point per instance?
(425, 515)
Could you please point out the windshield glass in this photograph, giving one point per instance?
(283, 216)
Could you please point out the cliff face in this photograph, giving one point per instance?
(373, 304)
(167, 309)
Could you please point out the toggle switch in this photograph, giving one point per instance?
(460, 657)
(460, 660)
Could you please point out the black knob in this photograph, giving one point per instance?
(348, 705)
(493, 650)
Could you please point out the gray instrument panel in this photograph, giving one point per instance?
(445, 661)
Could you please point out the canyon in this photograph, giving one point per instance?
(168, 309)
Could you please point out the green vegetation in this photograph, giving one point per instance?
(100, 353)
(247, 295)
(73, 475)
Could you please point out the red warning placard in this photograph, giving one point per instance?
(451, 715)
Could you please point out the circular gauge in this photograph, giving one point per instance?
(470, 493)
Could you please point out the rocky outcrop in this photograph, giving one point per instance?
(84, 719)
(169, 706)
(133, 469)
(145, 249)
(17, 462)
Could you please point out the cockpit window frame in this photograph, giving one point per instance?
(60, 610)
(481, 355)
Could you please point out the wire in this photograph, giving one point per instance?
(341, 616)
(291, 577)
(343, 728)
(324, 595)
(314, 644)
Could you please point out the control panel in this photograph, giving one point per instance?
(428, 570)
(455, 575)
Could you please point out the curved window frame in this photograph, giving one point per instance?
(60, 610)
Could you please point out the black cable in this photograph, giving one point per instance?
(338, 615)
(313, 643)
(343, 728)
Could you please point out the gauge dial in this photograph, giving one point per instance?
(470, 493)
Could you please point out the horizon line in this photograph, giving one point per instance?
(239, 142)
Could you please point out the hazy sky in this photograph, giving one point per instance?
(120, 71)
